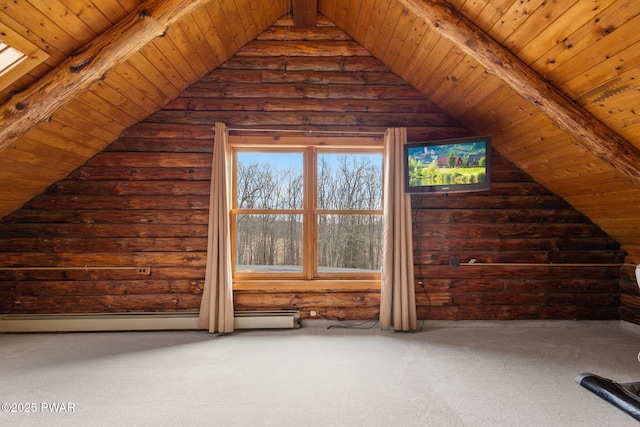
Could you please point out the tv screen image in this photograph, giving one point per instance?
(448, 166)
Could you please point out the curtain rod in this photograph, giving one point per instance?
(310, 131)
(140, 269)
(534, 264)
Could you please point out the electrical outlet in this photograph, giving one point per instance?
(143, 270)
(313, 313)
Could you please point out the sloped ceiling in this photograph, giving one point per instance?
(554, 83)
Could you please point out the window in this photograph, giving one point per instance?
(18, 56)
(307, 210)
(9, 57)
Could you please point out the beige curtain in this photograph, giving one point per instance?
(216, 308)
(397, 295)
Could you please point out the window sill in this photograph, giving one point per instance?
(317, 285)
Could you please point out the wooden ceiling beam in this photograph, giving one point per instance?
(42, 99)
(561, 110)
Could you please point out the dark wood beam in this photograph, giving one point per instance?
(305, 13)
(564, 112)
(42, 99)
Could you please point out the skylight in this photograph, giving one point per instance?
(18, 56)
(9, 57)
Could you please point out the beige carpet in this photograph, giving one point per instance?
(450, 374)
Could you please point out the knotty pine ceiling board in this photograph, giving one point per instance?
(588, 49)
(128, 93)
(573, 44)
(59, 28)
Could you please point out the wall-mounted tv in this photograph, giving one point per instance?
(448, 166)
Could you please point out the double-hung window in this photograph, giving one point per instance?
(307, 209)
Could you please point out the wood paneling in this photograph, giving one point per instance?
(588, 51)
(121, 93)
(143, 201)
(520, 236)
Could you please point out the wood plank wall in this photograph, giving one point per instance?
(143, 202)
(519, 235)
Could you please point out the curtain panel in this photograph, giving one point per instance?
(397, 294)
(216, 307)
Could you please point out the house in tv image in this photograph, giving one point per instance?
(475, 160)
(450, 162)
(211, 213)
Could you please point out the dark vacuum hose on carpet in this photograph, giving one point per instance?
(624, 396)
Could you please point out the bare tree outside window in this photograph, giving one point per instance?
(270, 212)
(348, 239)
(269, 241)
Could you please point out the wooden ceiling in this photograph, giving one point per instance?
(554, 82)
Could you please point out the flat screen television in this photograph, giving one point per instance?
(448, 166)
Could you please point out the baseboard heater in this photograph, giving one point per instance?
(140, 321)
(267, 319)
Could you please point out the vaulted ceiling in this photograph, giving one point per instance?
(556, 83)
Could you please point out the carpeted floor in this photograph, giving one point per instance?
(450, 374)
